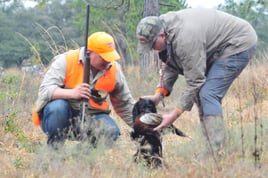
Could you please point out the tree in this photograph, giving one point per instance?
(12, 48)
(40, 32)
(153, 8)
(150, 8)
(255, 12)
(116, 17)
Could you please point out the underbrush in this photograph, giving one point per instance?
(23, 150)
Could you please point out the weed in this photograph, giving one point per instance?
(23, 146)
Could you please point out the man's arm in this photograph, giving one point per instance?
(81, 91)
(54, 78)
(121, 98)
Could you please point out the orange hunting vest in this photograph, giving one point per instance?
(74, 77)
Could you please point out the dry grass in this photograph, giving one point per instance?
(23, 151)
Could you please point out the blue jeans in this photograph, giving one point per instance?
(57, 121)
(219, 78)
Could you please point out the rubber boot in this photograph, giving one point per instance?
(214, 130)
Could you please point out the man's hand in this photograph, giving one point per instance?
(155, 98)
(81, 91)
(168, 119)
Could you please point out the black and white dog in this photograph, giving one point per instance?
(150, 142)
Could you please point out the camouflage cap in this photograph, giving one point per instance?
(147, 32)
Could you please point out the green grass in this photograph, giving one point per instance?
(23, 150)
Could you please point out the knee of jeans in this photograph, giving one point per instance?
(55, 116)
(58, 107)
(113, 132)
(205, 95)
(116, 133)
(210, 103)
(109, 126)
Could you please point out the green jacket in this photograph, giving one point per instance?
(197, 38)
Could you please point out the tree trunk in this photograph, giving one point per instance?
(151, 8)
(149, 60)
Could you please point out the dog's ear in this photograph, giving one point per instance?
(151, 105)
(141, 99)
(135, 111)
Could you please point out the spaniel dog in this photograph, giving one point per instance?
(145, 118)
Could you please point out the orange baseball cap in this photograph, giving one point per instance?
(103, 44)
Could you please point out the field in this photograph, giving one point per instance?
(24, 153)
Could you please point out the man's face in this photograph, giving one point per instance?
(141, 39)
(160, 42)
(97, 61)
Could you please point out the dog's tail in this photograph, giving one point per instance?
(178, 132)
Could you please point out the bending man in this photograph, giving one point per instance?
(210, 48)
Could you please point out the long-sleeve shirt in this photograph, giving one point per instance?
(197, 38)
(121, 98)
